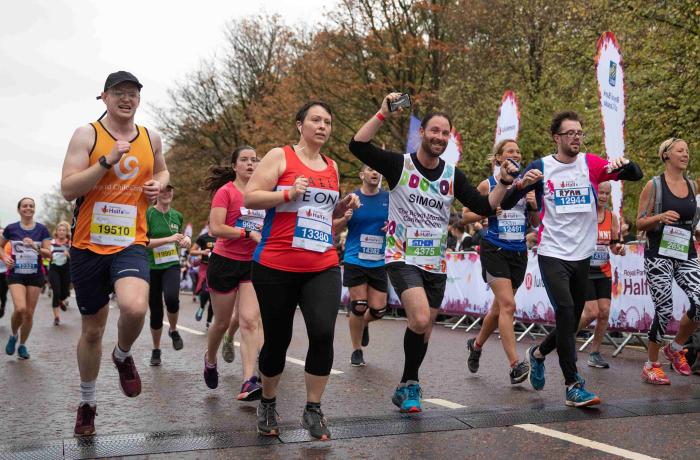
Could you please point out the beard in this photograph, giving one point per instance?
(569, 151)
(429, 146)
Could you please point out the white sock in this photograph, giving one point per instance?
(675, 347)
(648, 365)
(121, 355)
(88, 395)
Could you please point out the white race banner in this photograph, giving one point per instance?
(611, 90)
(508, 121)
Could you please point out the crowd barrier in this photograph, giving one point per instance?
(631, 310)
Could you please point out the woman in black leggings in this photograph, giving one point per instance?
(59, 270)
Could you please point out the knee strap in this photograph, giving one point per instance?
(377, 313)
(358, 303)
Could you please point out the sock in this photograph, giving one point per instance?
(88, 395)
(411, 382)
(648, 365)
(675, 347)
(120, 354)
(477, 345)
(423, 353)
(513, 364)
(312, 405)
(537, 353)
(264, 400)
(413, 348)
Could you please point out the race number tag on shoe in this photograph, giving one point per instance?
(313, 229)
(26, 259)
(371, 247)
(601, 255)
(675, 242)
(166, 253)
(113, 224)
(423, 246)
(572, 196)
(251, 219)
(511, 225)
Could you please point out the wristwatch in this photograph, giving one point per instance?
(104, 163)
(507, 184)
(247, 233)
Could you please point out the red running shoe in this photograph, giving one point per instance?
(129, 379)
(655, 375)
(677, 359)
(85, 421)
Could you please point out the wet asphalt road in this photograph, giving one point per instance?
(39, 397)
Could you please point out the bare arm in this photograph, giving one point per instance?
(367, 132)
(157, 242)
(645, 219)
(259, 192)
(161, 175)
(78, 177)
(45, 249)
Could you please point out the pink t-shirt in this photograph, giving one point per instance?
(231, 199)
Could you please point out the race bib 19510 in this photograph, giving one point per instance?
(113, 224)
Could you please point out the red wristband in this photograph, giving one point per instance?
(285, 195)
(380, 116)
(242, 234)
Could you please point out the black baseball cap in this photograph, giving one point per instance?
(120, 76)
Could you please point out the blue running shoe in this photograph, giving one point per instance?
(578, 396)
(536, 369)
(11, 344)
(22, 352)
(412, 402)
(400, 395)
(199, 314)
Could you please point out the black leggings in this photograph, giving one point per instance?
(565, 282)
(204, 298)
(164, 283)
(59, 278)
(318, 295)
(3, 289)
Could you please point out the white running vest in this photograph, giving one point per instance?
(569, 228)
(419, 212)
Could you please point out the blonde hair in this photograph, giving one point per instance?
(666, 145)
(62, 224)
(498, 149)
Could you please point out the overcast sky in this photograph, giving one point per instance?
(56, 54)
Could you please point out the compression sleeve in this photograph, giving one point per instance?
(470, 197)
(388, 164)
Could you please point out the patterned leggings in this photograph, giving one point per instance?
(660, 273)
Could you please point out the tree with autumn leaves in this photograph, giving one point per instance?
(457, 56)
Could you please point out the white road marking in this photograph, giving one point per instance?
(238, 344)
(444, 403)
(585, 442)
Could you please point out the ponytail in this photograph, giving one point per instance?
(222, 175)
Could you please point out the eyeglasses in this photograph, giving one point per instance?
(572, 134)
(128, 94)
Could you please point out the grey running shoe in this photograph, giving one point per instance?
(595, 360)
(474, 356)
(177, 340)
(520, 372)
(268, 419)
(227, 351)
(314, 421)
(155, 357)
(356, 359)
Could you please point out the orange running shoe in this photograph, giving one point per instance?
(677, 359)
(654, 375)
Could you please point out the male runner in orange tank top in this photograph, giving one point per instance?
(113, 169)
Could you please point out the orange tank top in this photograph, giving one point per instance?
(112, 215)
(600, 261)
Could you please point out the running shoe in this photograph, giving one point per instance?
(199, 314)
(365, 336)
(412, 402)
(399, 396)
(578, 396)
(474, 356)
(177, 340)
(57, 321)
(268, 419)
(22, 352)
(519, 373)
(251, 390)
(155, 357)
(596, 360)
(211, 375)
(85, 420)
(654, 375)
(63, 305)
(356, 359)
(314, 421)
(227, 351)
(129, 379)
(11, 345)
(677, 359)
(536, 369)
